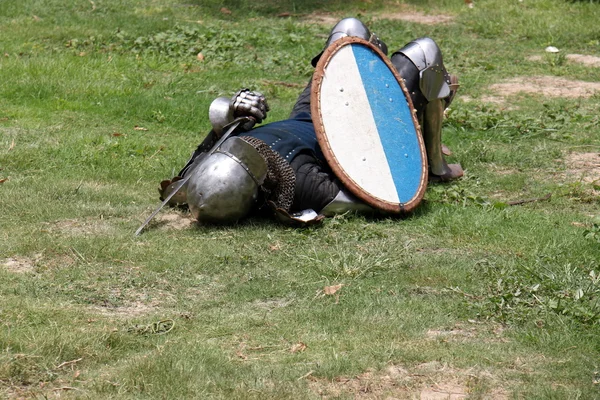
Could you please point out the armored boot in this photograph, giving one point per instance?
(439, 169)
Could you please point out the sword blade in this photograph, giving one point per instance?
(178, 186)
(199, 160)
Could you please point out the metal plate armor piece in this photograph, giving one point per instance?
(366, 126)
(427, 57)
(351, 27)
(225, 186)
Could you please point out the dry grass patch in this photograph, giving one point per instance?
(428, 381)
(583, 167)
(418, 17)
(322, 19)
(547, 86)
(135, 303)
(80, 227)
(406, 13)
(20, 265)
(460, 332)
(131, 310)
(272, 304)
(590, 61)
(585, 59)
(175, 221)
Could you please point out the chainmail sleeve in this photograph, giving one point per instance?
(279, 184)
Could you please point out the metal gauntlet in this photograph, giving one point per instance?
(244, 103)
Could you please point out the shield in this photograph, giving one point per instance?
(366, 126)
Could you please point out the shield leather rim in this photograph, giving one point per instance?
(315, 105)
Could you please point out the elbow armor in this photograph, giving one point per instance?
(220, 114)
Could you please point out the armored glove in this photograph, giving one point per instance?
(249, 104)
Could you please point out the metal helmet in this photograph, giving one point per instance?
(225, 186)
(351, 27)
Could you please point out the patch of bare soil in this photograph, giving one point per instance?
(405, 13)
(548, 86)
(322, 19)
(20, 265)
(585, 59)
(590, 61)
(428, 381)
(175, 220)
(418, 17)
(584, 167)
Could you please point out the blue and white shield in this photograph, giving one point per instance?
(366, 126)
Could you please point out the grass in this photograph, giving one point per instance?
(100, 100)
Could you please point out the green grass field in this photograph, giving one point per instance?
(471, 296)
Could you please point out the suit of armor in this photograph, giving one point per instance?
(281, 165)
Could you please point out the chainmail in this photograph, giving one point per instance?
(278, 186)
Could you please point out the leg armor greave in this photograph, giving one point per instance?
(421, 66)
(431, 124)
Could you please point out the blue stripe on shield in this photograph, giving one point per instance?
(394, 122)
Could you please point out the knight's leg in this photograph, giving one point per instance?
(431, 89)
(432, 135)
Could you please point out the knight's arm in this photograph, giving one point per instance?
(244, 103)
(223, 111)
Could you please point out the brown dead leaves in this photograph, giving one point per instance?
(298, 347)
(331, 290)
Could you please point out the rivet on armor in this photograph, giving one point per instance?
(391, 100)
(341, 89)
(386, 85)
(406, 155)
(364, 159)
(347, 103)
